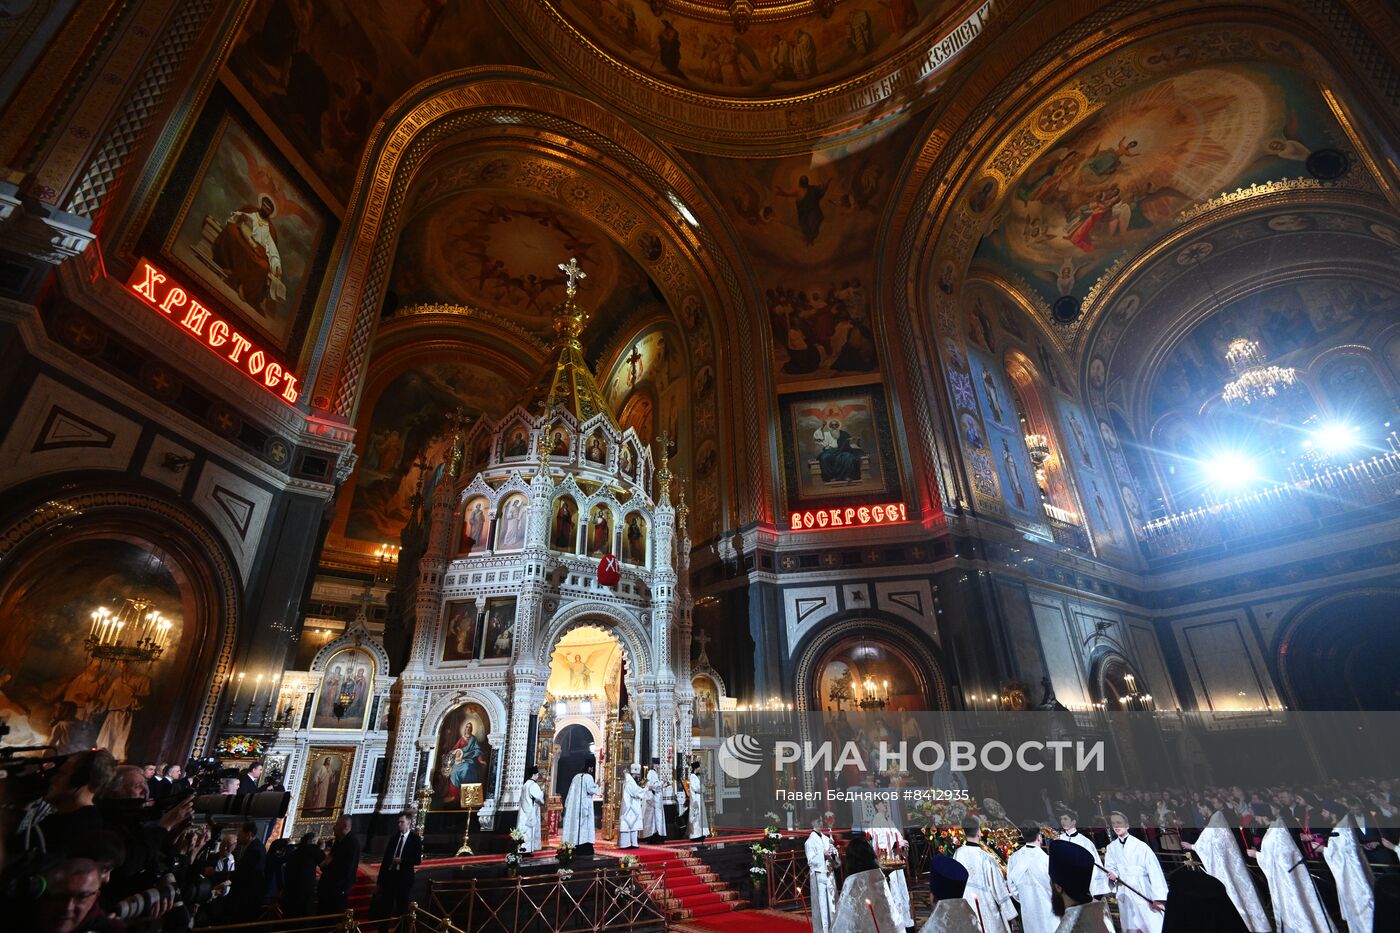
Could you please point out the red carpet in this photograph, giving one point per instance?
(692, 891)
(758, 921)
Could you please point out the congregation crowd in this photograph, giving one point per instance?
(90, 844)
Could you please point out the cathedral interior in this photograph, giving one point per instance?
(429, 391)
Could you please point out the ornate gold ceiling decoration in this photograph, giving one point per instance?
(719, 75)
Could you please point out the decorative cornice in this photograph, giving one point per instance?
(470, 311)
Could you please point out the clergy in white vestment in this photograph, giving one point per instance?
(864, 904)
(1028, 878)
(577, 829)
(1134, 869)
(654, 807)
(947, 879)
(889, 844)
(1292, 892)
(821, 855)
(629, 820)
(1072, 868)
(1355, 883)
(1220, 856)
(531, 812)
(1098, 884)
(986, 881)
(698, 823)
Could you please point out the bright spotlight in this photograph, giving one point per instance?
(1336, 437)
(1229, 471)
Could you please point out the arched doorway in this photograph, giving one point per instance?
(857, 664)
(576, 750)
(1338, 654)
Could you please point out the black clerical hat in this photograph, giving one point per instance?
(1071, 867)
(946, 878)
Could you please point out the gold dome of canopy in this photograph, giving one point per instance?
(565, 383)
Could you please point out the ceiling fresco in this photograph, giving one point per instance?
(786, 48)
(1120, 178)
(326, 70)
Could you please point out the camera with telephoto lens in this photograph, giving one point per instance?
(197, 891)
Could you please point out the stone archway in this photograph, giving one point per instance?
(1337, 653)
(902, 650)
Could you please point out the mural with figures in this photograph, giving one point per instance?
(837, 446)
(249, 233)
(346, 687)
(409, 418)
(1004, 439)
(769, 58)
(51, 691)
(463, 755)
(1116, 180)
(808, 223)
(841, 677)
(326, 71)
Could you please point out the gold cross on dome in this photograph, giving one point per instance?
(573, 274)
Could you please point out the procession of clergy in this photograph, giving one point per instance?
(1059, 885)
(642, 814)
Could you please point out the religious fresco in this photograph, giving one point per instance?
(347, 683)
(249, 233)
(510, 523)
(1001, 434)
(498, 628)
(599, 535)
(327, 778)
(704, 716)
(476, 526)
(410, 419)
(463, 755)
(769, 58)
(1293, 323)
(563, 529)
(838, 446)
(655, 358)
(51, 691)
(809, 224)
(634, 539)
(1116, 180)
(326, 71)
(459, 630)
(842, 674)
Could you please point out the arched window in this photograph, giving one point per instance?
(1043, 443)
(1353, 395)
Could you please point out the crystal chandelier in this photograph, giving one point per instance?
(874, 696)
(1255, 378)
(1038, 445)
(135, 632)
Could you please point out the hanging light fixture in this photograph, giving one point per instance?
(135, 632)
(1255, 379)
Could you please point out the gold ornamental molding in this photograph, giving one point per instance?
(718, 124)
(468, 311)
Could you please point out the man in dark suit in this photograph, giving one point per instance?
(299, 890)
(401, 856)
(338, 876)
(248, 780)
(249, 892)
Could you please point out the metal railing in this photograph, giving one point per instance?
(584, 902)
(787, 879)
(414, 920)
(1306, 501)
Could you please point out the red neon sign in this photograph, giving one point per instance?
(213, 332)
(850, 515)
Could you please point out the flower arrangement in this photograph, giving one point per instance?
(629, 863)
(239, 746)
(565, 855)
(565, 873)
(514, 857)
(760, 851)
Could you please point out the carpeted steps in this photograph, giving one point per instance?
(691, 890)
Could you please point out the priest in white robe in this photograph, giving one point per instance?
(864, 904)
(1098, 883)
(629, 821)
(1220, 856)
(986, 883)
(1347, 860)
(654, 807)
(698, 822)
(947, 880)
(577, 829)
(821, 855)
(1072, 868)
(531, 817)
(1134, 869)
(889, 843)
(1295, 900)
(1028, 879)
